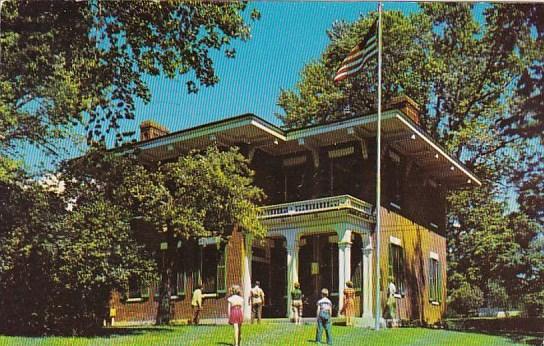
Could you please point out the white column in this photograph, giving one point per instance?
(344, 262)
(367, 281)
(292, 264)
(246, 274)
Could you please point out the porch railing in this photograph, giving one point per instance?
(318, 205)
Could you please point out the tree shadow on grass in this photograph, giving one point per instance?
(525, 338)
(100, 333)
(125, 331)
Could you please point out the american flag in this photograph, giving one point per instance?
(359, 55)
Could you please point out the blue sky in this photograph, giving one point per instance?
(288, 35)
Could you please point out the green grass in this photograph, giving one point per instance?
(270, 334)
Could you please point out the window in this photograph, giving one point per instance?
(396, 267)
(435, 280)
(342, 163)
(212, 271)
(179, 278)
(136, 291)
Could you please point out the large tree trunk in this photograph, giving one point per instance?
(164, 314)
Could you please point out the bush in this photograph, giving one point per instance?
(534, 304)
(466, 299)
(57, 270)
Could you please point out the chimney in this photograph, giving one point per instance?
(150, 129)
(406, 105)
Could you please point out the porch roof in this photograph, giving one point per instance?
(399, 132)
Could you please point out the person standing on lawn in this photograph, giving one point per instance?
(348, 309)
(296, 303)
(256, 300)
(235, 313)
(324, 316)
(196, 303)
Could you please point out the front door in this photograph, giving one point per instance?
(269, 266)
(318, 269)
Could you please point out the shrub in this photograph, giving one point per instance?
(466, 299)
(534, 304)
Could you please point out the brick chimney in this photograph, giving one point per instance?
(406, 105)
(150, 129)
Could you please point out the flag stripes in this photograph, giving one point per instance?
(359, 55)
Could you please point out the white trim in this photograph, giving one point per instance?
(395, 205)
(134, 300)
(267, 129)
(434, 255)
(437, 148)
(434, 302)
(210, 295)
(433, 225)
(395, 240)
(314, 130)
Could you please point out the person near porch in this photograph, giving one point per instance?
(348, 309)
(256, 300)
(196, 303)
(235, 313)
(392, 304)
(324, 316)
(296, 303)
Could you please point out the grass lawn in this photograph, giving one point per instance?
(272, 334)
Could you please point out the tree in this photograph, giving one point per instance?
(59, 267)
(70, 63)
(519, 31)
(316, 99)
(202, 194)
(199, 195)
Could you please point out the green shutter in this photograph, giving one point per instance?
(439, 282)
(432, 284)
(144, 292)
(222, 271)
(180, 283)
(401, 270)
(391, 269)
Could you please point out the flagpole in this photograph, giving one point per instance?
(378, 170)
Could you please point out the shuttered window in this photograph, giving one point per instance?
(396, 267)
(435, 281)
(213, 269)
(136, 290)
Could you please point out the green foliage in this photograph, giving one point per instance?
(58, 268)
(68, 63)
(534, 304)
(497, 296)
(316, 99)
(202, 194)
(465, 299)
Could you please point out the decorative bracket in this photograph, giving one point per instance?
(314, 149)
(357, 134)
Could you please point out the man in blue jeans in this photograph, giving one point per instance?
(324, 315)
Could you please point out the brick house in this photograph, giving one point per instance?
(320, 183)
